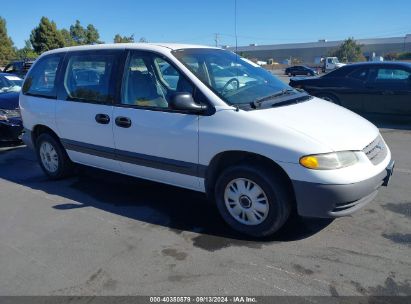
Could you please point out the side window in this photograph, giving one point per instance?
(9, 68)
(168, 73)
(150, 81)
(87, 78)
(41, 79)
(359, 74)
(392, 75)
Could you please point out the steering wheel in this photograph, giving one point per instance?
(224, 89)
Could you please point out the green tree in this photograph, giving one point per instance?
(123, 39)
(92, 35)
(68, 40)
(46, 36)
(244, 55)
(404, 56)
(26, 52)
(7, 50)
(391, 56)
(81, 35)
(78, 33)
(349, 51)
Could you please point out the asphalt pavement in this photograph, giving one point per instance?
(100, 233)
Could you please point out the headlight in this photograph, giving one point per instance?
(7, 114)
(329, 161)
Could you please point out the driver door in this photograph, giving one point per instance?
(153, 141)
(390, 91)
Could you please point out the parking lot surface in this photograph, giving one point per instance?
(100, 233)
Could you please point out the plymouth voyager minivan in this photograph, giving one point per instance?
(205, 119)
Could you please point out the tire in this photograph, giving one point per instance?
(52, 157)
(330, 98)
(274, 200)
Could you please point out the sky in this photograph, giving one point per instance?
(195, 21)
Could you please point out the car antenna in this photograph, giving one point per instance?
(235, 26)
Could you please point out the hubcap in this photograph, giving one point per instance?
(246, 201)
(49, 157)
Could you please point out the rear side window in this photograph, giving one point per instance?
(41, 79)
(87, 77)
(392, 74)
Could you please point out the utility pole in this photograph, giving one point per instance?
(216, 38)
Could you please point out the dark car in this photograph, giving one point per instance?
(11, 124)
(19, 68)
(369, 87)
(300, 70)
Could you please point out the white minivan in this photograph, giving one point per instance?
(205, 119)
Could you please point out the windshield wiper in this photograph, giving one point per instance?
(258, 102)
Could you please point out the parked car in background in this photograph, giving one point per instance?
(300, 70)
(369, 87)
(10, 120)
(19, 68)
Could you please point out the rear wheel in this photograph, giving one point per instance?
(52, 157)
(253, 200)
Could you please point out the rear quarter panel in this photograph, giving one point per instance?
(37, 111)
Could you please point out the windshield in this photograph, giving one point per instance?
(236, 80)
(10, 83)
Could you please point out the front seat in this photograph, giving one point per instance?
(142, 91)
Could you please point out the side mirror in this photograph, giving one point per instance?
(184, 101)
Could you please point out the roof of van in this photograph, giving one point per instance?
(141, 46)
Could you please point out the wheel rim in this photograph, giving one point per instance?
(49, 157)
(246, 201)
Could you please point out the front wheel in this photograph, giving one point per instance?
(253, 200)
(52, 157)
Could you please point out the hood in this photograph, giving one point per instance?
(339, 65)
(9, 101)
(324, 122)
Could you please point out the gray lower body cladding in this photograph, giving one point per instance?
(325, 201)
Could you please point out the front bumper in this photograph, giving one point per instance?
(10, 130)
(27, 138)
(325, 201)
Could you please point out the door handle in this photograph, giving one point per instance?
(103, 119)
(387, 93)
(123, 122)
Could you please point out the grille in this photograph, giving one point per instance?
(376, 151)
